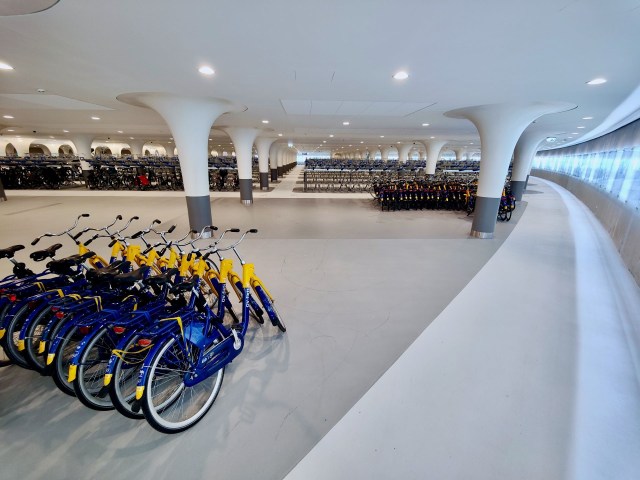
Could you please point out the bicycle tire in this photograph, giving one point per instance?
(89, 382)
(37, 361)
(10, 340)
(161, 398)
(60, 367)
(122, 388)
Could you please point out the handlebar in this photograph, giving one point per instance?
(49, 234)
(91, 229)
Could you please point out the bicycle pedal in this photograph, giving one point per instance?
(104, 391)
(136, 406)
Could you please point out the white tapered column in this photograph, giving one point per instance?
(190, 120)
(273, 160)
(263, 144)
(243, 139)
(403, 151)
(169, 149)
(500, 127)
(136, 147)
(523, 154)
(433, 153)
(459, 153)
(384, 151)
(82, 145)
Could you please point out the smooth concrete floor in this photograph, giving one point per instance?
(356, 287)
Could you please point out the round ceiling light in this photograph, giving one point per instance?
(95, 118)
(5, 66)
(265, 121)
(587, 118)
(8, 117)
(206, 70)
(401, 75)
(345, 123)
(597, 81)
(425, 124)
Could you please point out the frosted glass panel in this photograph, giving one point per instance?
(611, 163)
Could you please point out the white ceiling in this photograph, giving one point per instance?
(307, 66)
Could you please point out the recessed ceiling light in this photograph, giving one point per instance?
(587, 118)
(209, 139)
(131, 138)
(351, 145)
(401, 75)
(65, 131)
(470, 143)
(361, 142)
(279, 134)
(11, 130)
(575, 133)
(265, 121)
(206, 70)
(5, 66)
(580, 127)
(381, 136)
(379, 145)
(51, 136)
(95, 118)
(324, 141)
(597, 81)
(7, 116)
(432, 137)
(120, 131)
(398, 143)
(551, 139)
(331, 136)
(41, 90)
(345, 123)
(425, 124)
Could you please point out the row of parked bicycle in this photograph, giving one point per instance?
(43, 173)
(421, 194)
(356, 165)
(437, 194)
(148, 332)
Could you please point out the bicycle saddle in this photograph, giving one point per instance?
(10, 251)
(163, 279)
(131, 277)
(43, 254)
(107, 273)
(183, 287)
(63, 266)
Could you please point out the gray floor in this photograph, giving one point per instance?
(357, 286)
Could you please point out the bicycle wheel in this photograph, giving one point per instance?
(169, 405)
(60, 367)
(122, 388)
(32, 354)
(10, 340)
(89, 382)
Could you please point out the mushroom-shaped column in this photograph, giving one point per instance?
(263, 144)
(280, 160)
(136, 147)
(403, 151)
(433, 153)
(273, 160)
(170, 147)
(190, 120)
(242, 139)
(500, 127)
(523, 154)
(459, 153)
(384, 152)
(82, 144)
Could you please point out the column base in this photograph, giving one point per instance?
(481, 234)
(199, 209)
(274, 174)
(280, 170)
(517, 189)
(246, 191)
(484, 217)
(264, 180)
